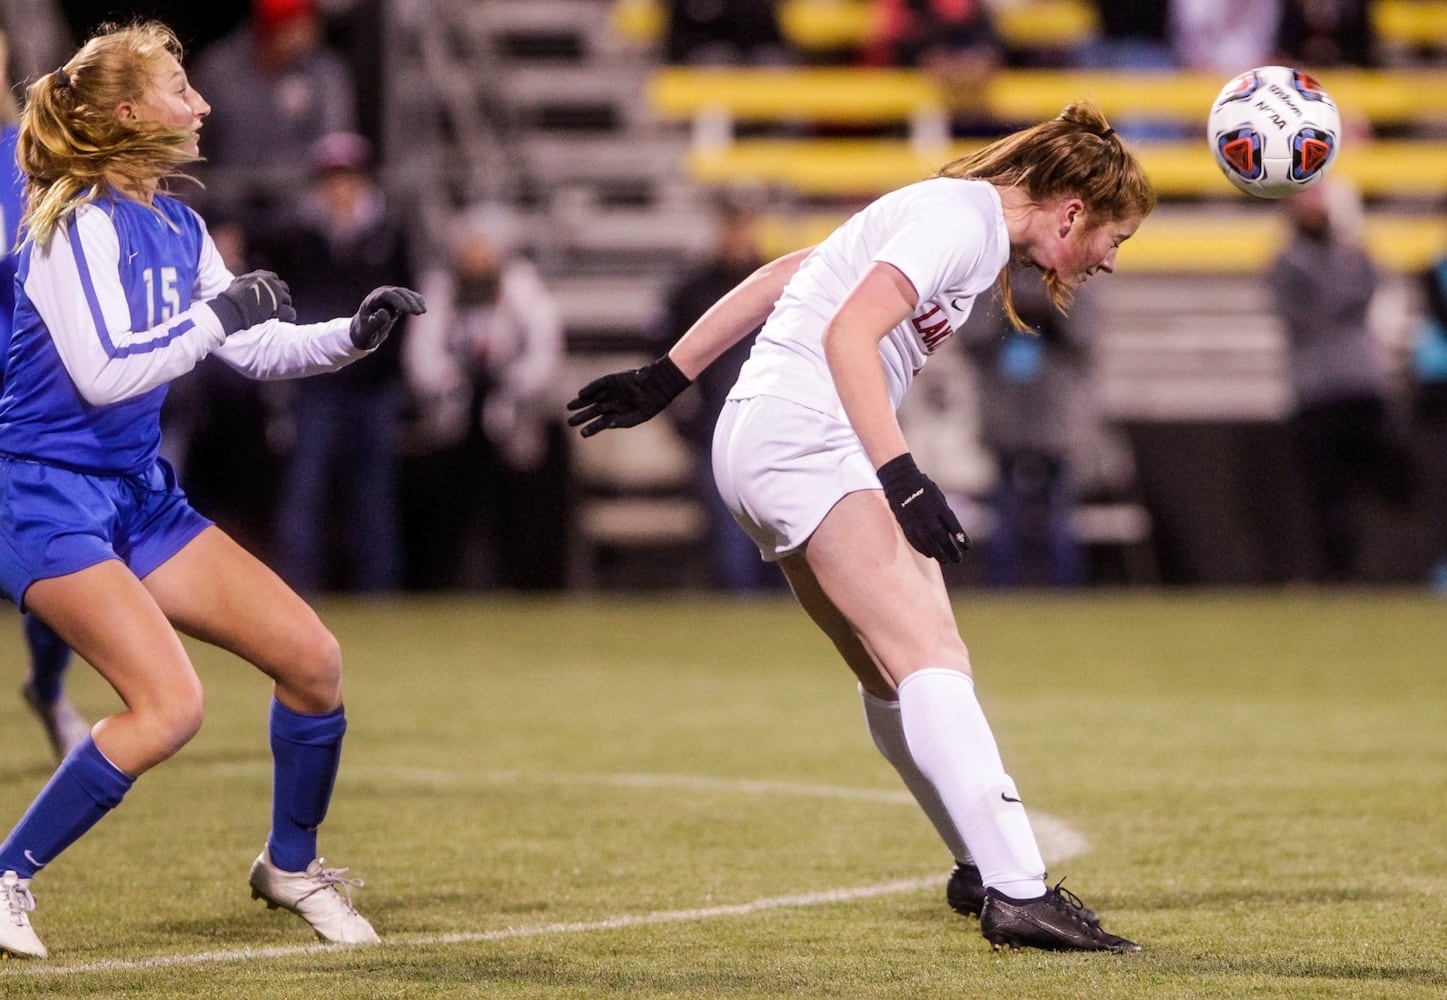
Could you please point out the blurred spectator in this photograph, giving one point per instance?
(1224, 36)
(216, 426)
(1322, 286)
(954, 41)
(489, 487)
(275, 89)
(955, 37)
(41, 35)
(1131, 34)
(1317, 33)
(1429, 369)
(1135, 35)
(736, 562)
(1035, 405)
(341, 476)
(725, 33)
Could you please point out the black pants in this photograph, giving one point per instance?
(1348, 447)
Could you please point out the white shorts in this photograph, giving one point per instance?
(781, 466)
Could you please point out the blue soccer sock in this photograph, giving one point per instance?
(49, 656)
(83, 789)
(306, 751)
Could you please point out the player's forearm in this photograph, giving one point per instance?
(853, 359)
(879, 303)
(276, 350)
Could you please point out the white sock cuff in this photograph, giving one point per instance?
(930, 672)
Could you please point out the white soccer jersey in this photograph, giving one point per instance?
(947, 236)
(108, 314)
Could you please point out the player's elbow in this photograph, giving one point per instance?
(100, 391)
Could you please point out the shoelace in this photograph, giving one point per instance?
(19, 900)
(1069, 903)
(334, 878)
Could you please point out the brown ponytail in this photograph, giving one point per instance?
(1076, 154)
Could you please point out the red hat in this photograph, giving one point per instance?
(270, 13)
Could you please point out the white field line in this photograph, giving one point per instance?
(624, 921)
(1058, 842)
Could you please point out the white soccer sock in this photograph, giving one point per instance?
(951, 743)
(883, 720)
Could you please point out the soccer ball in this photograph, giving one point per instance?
(1274, 131)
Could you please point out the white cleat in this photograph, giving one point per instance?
(16, 904)
(64, 725)
(321, 896)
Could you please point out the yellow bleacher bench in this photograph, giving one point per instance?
(843, 168)
(1197, 242)
(833, 25)
(1382, 96)
(715, 98)
(1415, 23)
(826, 25)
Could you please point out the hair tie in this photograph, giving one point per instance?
(1107, 133)
(62, 79)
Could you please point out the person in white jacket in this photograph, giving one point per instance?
(483, 369)
(120, 290)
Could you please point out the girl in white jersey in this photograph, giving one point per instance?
(809, 456)
(120, 290)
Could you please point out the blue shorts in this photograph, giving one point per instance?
(58, 521)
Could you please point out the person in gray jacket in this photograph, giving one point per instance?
(1322, 284)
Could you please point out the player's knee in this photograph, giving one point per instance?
(931, 648)
(314, 675)
(176, 719)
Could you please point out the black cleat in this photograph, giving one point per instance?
(1055, 921)
(965, 892)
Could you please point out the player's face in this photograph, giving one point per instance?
(1094, 250)
(171, 100)
(1081, 249)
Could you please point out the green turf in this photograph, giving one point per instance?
(1262, 779)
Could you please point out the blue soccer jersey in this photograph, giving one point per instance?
(107, 314)
(12, 186)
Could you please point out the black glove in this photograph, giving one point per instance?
(380, 310)
(921, 510)
(626, 399)
(252, 298)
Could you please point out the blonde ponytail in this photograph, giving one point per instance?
(72, 145)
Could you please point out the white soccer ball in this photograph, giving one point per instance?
(1274, 131)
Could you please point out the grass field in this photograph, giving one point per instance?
(677, 798)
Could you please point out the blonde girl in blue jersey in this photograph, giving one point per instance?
(809, 456)
(120, 290)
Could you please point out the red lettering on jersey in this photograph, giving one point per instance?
(933, 332)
